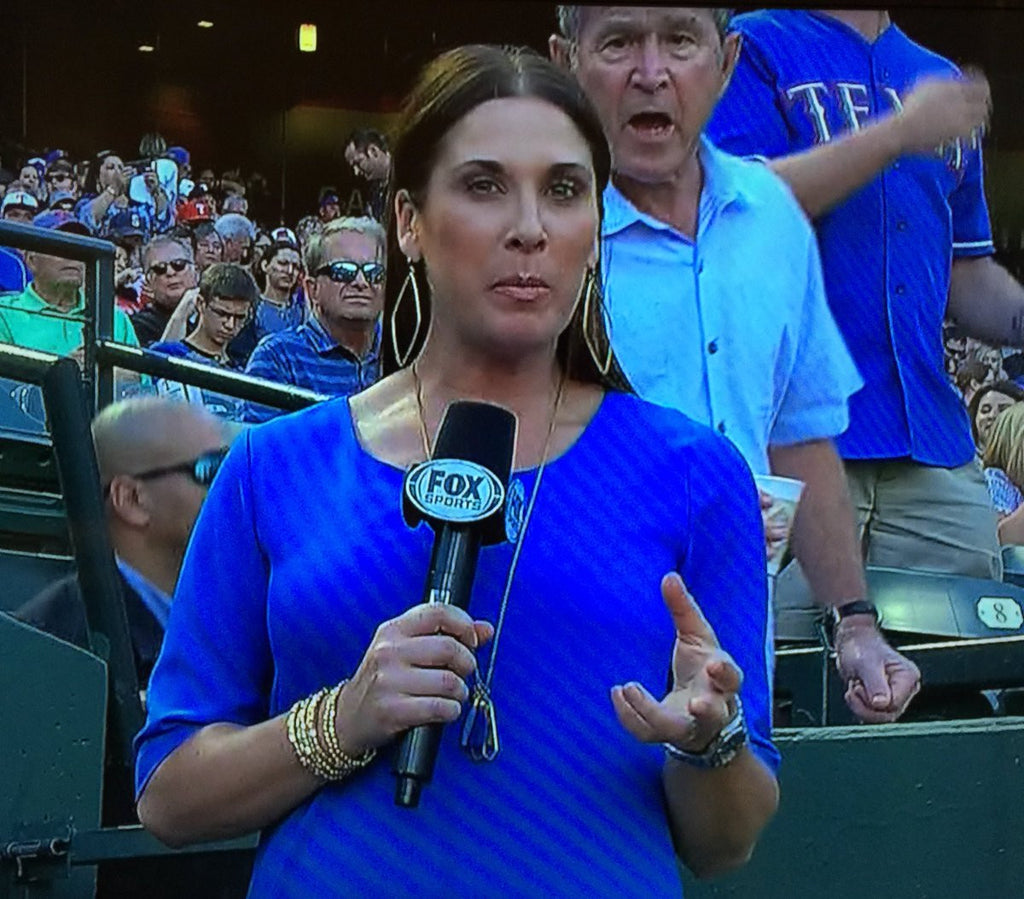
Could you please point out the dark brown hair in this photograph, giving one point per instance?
(228, 280)
(449, 88)
(1007, 388)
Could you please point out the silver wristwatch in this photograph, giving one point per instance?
(722, 750)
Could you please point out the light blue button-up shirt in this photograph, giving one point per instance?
(732, 329)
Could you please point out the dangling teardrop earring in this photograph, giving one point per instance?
(590, 328)
(410, 282)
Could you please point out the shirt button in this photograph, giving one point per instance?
(901, 225)
(721, 427)
(900, 290)
(713, 347)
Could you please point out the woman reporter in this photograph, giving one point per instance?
(301, 573)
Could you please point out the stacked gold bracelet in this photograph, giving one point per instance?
(311, 731)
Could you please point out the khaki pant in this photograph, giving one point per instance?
(910, 516)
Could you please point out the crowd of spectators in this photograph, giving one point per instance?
(197, 277)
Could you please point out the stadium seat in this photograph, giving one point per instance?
(25, 574)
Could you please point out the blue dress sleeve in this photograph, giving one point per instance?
(725, 571)
(216, 664)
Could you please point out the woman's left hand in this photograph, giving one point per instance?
(705, 679)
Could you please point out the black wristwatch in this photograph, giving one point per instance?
(830, 621)
(857, 607)
(722, 749)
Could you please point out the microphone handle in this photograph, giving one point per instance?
(450, 581)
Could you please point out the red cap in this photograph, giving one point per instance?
(194, 211)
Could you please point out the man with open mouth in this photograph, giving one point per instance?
(715, 293)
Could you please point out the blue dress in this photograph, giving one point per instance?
(300, 552)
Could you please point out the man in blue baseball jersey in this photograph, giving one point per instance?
(879, 139)
(715, 295)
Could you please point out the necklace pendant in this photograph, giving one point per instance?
(480, 730)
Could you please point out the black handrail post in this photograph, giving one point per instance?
(69, 422)
(99, 325)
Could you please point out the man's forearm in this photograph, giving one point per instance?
(717, 815)
(986, 301)
(937, 110)
(825, 175)
(824, 538)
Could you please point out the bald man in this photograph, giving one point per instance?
(156, 460)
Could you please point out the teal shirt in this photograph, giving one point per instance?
(56, 332)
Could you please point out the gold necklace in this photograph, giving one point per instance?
(481, 742)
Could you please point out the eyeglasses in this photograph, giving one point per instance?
(176, 265)
(344, 271)
(240, 317)
(201, 469)
(59, 176)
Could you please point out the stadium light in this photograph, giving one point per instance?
(307, 38)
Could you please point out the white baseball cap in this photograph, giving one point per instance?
(20, 198)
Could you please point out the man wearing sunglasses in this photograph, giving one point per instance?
(156, 460)
(60, 178)
(337, 351)
(227, 294)
(169, 268)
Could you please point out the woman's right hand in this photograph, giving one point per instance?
(413, 673)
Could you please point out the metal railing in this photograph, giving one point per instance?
(69, 424)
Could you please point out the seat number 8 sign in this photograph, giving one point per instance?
(1000, 613)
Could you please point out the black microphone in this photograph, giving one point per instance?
(460, 493)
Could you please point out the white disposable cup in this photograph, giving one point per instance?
(785, 494)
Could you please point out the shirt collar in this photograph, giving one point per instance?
(158, 602)
(34, 296)
(721, 188)
(323, 343)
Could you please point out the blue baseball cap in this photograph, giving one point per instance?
(127, 223)
(179, 154)
(62, 199)
(60, 220)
